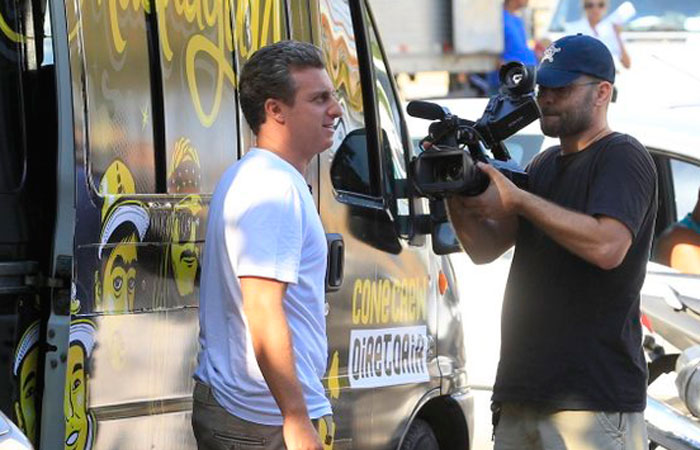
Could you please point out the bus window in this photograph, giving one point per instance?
(12, 145)
(199, 96)
(340, 53)
(389, 115)
(119, 112)
(258, 23)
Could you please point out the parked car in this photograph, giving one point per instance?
(670, 300)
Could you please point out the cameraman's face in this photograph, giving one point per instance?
(567, 110)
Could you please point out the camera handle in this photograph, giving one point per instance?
(500, 151)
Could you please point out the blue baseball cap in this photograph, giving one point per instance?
(572, 56)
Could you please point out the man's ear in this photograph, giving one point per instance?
(274, 110)
(604, 93)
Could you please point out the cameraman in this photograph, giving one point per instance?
(572, 373)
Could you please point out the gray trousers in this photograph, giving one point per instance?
(217, 429)
(526, 428)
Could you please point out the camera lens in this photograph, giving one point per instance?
(448, 172)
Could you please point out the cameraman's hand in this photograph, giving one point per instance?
(499, 201)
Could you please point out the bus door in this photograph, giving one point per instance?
(27, 203)
(156, 123)
(380, 321)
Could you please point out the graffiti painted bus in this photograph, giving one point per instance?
(117, 118)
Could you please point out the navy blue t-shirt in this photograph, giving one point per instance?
(571, 332)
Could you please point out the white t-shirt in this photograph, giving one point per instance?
(604, 32)
(262, 222)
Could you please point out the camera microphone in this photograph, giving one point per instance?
(426, 110)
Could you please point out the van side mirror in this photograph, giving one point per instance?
(350, 167)
(350, 174)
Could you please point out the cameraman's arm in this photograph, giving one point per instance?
(600, 240)
(483, 239)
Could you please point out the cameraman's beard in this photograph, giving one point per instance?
(571, 122)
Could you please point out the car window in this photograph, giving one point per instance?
(524, 147)
(686, 181)
(651, 15)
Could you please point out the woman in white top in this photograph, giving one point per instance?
(603, 29)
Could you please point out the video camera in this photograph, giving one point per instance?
(445, 168)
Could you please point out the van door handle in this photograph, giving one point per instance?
(336, 261)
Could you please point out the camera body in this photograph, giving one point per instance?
(445, 167)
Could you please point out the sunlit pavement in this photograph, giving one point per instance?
(481, 294)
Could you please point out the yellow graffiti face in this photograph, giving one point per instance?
(75, 402)
(119, 277)
(26, 413)
(184, 254)
(117, 180)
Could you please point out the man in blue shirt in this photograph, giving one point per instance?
(514, 40)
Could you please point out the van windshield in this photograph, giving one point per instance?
(651, 15)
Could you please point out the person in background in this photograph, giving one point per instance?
(572, 372)
(595, 24)
(261, 314)
(515, 46)
(679, 245)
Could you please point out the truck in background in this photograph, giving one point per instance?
(441, 35)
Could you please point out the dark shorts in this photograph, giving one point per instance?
(217, 429)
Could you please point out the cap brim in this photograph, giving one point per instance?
(554, 78)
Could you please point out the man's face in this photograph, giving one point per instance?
(184, 253)
(517, 4)
(27, 397)
(312, 118)
(595, 10)
(568, 110)
(75, 402)
(119, 277)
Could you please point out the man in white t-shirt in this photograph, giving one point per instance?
(602, 28)
(262, 324)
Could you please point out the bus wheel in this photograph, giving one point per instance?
(420, 437)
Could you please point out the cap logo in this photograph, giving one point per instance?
(550, 52)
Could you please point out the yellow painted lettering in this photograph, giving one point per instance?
(386, 298)
(356, 291)
(366, 298)
(423, 300)
(376, 302)
(404, 300)
(161, 6)
(395, 297)
(9, 32)
(412, 299)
